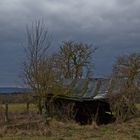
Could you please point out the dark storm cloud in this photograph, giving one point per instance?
(113, 25)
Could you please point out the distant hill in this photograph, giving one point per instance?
(13, 90)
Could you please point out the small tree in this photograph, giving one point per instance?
(36, 49)
(74, 59)
(41, 71)
(124, 86)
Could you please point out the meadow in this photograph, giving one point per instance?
(20, 107)
(124, 131)
(31, 126)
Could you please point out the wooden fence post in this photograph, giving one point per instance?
(6, 113)
(27, 106)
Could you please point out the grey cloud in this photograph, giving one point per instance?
(113, 25)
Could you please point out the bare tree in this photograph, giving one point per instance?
(125, 79)
(38, 42)
(74, 59)
(49, 78)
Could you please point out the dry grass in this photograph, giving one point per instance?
(31, 126)
(71, 131)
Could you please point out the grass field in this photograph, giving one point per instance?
(28, 138)
(66, 130)
(125, 131)
(138, 106)
(20, 107)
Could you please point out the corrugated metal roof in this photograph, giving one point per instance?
(88, 88)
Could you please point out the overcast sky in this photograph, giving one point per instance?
(111, 25)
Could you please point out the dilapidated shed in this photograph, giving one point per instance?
(86, 101)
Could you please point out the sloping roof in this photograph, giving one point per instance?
(88, 89)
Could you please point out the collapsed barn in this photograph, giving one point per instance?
(86, 102)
